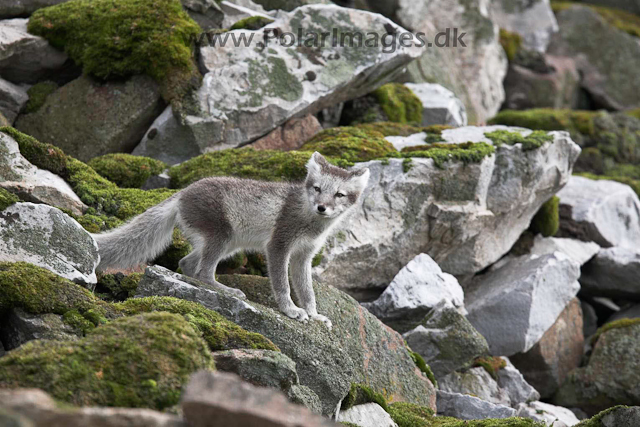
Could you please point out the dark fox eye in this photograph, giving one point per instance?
(339, 195)
(317, 189)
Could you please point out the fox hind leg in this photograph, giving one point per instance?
(189, 264)
(212, 253)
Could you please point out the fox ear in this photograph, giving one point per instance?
(316, 162)
(361, 176)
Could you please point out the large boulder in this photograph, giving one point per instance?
(113, 116)
(513, 306)
(613, 273)
(12, 99)
(25, 58)
(248, 92)
(465, 216)
(579, 251)
(45, 236)
(30, 183)
(439, 105)
(558, 352)
(475, 382)
(466, 407)
(360, 349)
(601, 211)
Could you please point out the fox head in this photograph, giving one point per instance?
(332, 190)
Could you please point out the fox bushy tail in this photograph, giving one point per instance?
(142, 239)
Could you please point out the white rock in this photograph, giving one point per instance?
(367, 415)
(234, 12)
(601, 211)
(475, 382)
(551, 415)
(465, 407)
(514, 384)
(30, 183)
(613, 273)
(46, 237)
(533, 20)
(439, 105)
(12, 99)
(512, 307)
(579, 251)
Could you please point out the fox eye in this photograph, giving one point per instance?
(339, 195)
(317, 189)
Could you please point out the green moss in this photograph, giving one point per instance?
(38, 94)
(411, 415)
(138, 361)
(575, 122)
(399, 129)
(180, 248)
(621, 323)
(399, 103)
(120, 38)
(348, 424)
(534, 140)
(620, 19)
(469, 152)
(352, 144)
(595, 421)
(126, 170)
(490, 364)
(7, 199)
(118, 286)
(251, 23)
(547, 220)
(360, 394)
(317, 258)
(633, 113)
(511, 43)
(424, 368)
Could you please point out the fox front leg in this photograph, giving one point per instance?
(303, 285)
(277, 259)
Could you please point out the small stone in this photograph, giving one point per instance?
(465, 407)
(367, 415)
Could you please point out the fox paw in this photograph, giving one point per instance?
(297, 313)
(323, 319)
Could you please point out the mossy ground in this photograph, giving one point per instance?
(547, 220)
(620, 19)
(251, 23)
(118, 286)
(511, 43)
(398, 129)
(7, 199)
(126, 170)
(399, 103)
(38, 94)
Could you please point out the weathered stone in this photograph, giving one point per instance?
(288, 5)
(229, 401)
(630, 312)
(465, 407)
(589, 319)
(367, 415)
(19, 327)
(533, 20)
(475, 382)
(69, 116)
(605, 212)
(157, 181)
(22, 8)
(558, 352)
(579, 251)
(514, 384)
(303, 395)
(439, 105)
(613, 273)
(513, 306)
(12, 99)
(550, 415)
(289, 136)
(25, 58)
(207, 13)
(415, 291)
(248, 92)
(361, 350)
(465, 216)
(264, 368)
(621, 416)
(45, 236)
(238, 10)
(30, 183)
(446, 340)
(611, 377)
(632, 6)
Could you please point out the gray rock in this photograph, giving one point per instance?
(25, 58)
(631, 312)
(303, 395)
(327, 361)
(475, 382)
(589, 319)
(207, 13)
(229, 401)
(605, 212)
(21, 8)
(30, 183)
(19, 327)
(513, 383)
(632, 6)
(157, 181)
(238, 10)
(288, 5)
(12, 99)
(513, 306)
(533, 20)
(550, 415)
(446, 340)
(46, 237)
(621, 417)
(248, 92)
(67, 118)
(440, 105)
(579, 251)
(367, 415)
(465, 216)
(264, 368)
(415, 291)
(465, 407)
(613, 273)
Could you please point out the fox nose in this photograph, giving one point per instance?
(321, 208)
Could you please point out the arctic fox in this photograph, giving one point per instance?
(220, 216)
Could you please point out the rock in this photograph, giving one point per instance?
(157, 181)
(514, 384)
(553, 416)
(440, 105)
(367, 415)
(589, 319)
(610, 377)
(446, 340)
(558, 352)
(513, 306)
(475, 382)
(533, 20)
(613, 273)
(265, 368)
(593, 42)
(20, 8)
(605, 212)
(207, 13)
(238, 10)
(41, 410)
(2, 350)
(467, 407)
(246, 93)
(289, 136)
(12, 99)
(415, 291)
(632, 6)
(303, 395)
(479, 82)
(288, 5)
(18, 327)
(360, 350)
(620, 416)
(30, 183)
(68, 117)
(45, 236)
(631, 312)
(579, 251)
(25, 58)
(223, 397)
(465, 216)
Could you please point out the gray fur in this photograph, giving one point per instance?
(221, 216)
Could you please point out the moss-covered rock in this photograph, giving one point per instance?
(620, 19)
(613, 417)
(251, 23)
(511, 43)
(547, 219)
(360, 394)
(491, 364)
(138, 361)
(534, 140)
(118, 286)
(468, 152)
(7, 199)
(126, 170)
(575, 122)
(399, 129)
(352, 144)
(399, 103)
(37, 95)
